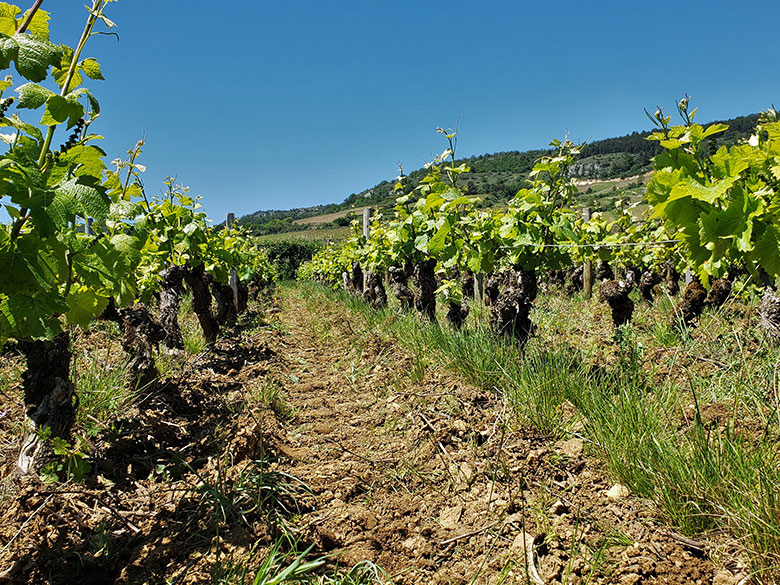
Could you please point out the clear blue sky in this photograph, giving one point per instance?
(273, 105)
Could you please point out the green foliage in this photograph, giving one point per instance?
(443, 224)
(327, 265)
(288, 255)
(55, 272)
(172, 229)
(72, 464)
(539, 217)
(723, 206)
(277, 568)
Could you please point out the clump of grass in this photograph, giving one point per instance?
(290, 566)
(192, 334)
(102, 390)
(278, 495)
(194, 341)
(270, 393)
(363, 573)
(665, 335)
(259, 488)
(278, 567)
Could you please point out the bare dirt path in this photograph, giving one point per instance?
(433, 481)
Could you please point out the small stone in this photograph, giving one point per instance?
(558, 508)
(523, 542)
(724, 577)
(618, 492)
(416, 544)
(572, 448)
(460, 425)
(630, 579)
(369, 522)
(463, 473)
(450, 517)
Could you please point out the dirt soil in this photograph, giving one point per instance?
(399, 463)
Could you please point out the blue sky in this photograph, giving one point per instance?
(273, 105)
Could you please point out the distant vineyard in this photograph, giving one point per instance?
(713, 212)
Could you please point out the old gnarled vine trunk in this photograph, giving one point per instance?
(769, 315)
(720, 290)
(647, 284)
(604, 271)
(456, 314)
(399, 284)
(575, 276)
(615, 294)
(375, 293)
(201, 302)
(633, 276)
(509, 313)
(467, 284)
(171, 290)
(424, 278)
(556, 278)
(671, 279)
(49, 399)
(242, 301)
(140, 335)
(691, 306)
(356, 278)
(492, 287)
(227, 313)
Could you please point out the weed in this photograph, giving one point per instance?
(194, 342)
(363, 573)
(417, 371)
(72, 464)
(102, 390)
(665, 335)
(277, 568)
(271, 393)
(280, 567)
(279, 495)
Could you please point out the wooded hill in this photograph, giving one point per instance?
(497, 177)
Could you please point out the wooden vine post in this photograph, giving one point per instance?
(367, 234)
(367, 223)
(479, 288)
(231, 217)
(587, 267)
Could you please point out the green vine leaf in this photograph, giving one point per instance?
(32, 96)
(91, 68)
(92, 201)
(8, 14)
(87, 159)
(8, 51)
(39, 25)
(60, 109)
(83, 305)
(767, 250)
(83, 91)
(35, 56)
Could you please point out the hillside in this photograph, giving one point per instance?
(604, 167)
